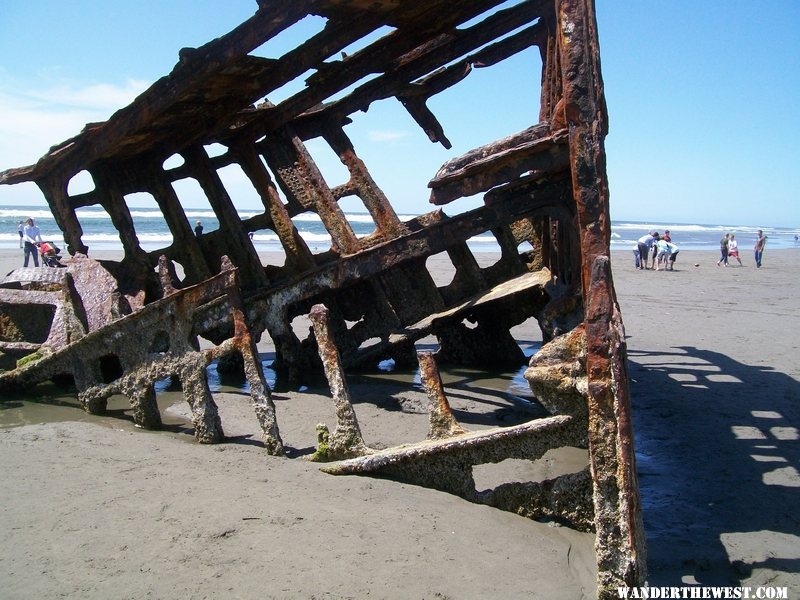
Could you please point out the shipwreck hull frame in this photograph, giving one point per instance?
(545, 188)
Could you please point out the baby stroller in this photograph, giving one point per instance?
(49, 252)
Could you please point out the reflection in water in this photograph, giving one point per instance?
(51, 403)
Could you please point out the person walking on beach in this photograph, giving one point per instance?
(198, 229)
(645, 244)
(723, 250)
(21, 227)
(758, 249)
(733, 249)
(32, 237)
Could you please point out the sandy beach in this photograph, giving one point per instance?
(95, 508)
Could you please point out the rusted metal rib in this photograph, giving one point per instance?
(346, 440)
(546, 203)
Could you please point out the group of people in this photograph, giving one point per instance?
(30, 240)
(729, 248)
(657, 252)
(657, 248)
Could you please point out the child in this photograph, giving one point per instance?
(733, 249)
(49, 254)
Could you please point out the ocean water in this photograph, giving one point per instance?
(99, 233)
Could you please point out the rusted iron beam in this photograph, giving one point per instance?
(303, 184)
(11, 296)
(166, 275)
(445, 460)
(188, 366)
(546, 185)
(237, 242)
(259, 388)
(419, 111)
(445, 464)
(566, 499)
(557, 376)
(29, 319)
(114, 204)
(346, 440)
(361, 182)
(505, 48)
(618, 520)
(98, 142)
(438, 237)
(159, 345)
(379, 56)
(485, 347)
(620, 534)
(535, 149)
(54, 189)
(416, 94)
(298, 255)
(428, 57)
(186, 248)
(550, 95)
(468, 276)
(102, 341)
(442, 422)
(88, 298)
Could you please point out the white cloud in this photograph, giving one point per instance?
(34, 120)
(31, 121)
(98, 96)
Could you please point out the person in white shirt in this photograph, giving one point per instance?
(645, 245)
(32, 237)
(667, 252)
(733, 249)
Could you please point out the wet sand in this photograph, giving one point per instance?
(94, 508)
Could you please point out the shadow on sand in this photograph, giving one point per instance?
(717, 453)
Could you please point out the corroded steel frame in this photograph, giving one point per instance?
(545, 185)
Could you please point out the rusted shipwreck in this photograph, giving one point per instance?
(118, 327)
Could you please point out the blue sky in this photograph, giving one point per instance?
(703, 100)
